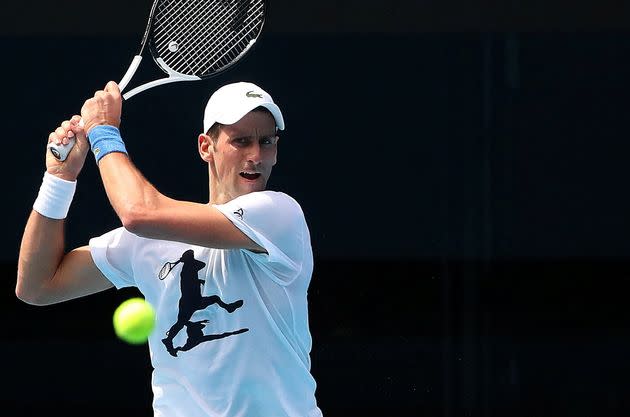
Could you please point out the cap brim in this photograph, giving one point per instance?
(277, 114)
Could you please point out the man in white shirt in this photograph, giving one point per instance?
(228, 279)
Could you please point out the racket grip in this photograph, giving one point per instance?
(60, 152)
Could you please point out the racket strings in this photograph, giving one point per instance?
(210, 35)
(210, 46)
(224, 44)
(239, 41)
(173, 23)
(223, 50)
(199, 37)
(172, 20)
(174, 14)
(177, 23)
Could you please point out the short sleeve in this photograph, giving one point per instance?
(276, 222)
(113, 253)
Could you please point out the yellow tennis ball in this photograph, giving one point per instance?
(134, 320)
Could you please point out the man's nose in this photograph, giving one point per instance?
(254, 153)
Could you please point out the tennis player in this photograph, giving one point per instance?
(228, 279)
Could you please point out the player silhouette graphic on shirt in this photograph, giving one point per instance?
(191, 301)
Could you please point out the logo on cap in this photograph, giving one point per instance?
(253, 95)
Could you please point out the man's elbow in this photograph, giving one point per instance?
(135, 219)
(33, 298)
(34, 294)
(29, 300)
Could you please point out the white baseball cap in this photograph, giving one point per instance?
(231, 102)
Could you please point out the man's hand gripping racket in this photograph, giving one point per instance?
(191, 40)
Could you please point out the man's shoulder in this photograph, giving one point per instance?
(269, 197)
(279, 196)
(264, 207)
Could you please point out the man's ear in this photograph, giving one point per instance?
(204, 145)
(275, 156)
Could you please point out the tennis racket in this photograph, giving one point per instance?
(166, 269)
(192, 40)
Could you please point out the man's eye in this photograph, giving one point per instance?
(268, 141)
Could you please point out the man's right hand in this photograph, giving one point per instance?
(70, 168)
(104, 108)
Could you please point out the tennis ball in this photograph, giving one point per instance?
(134, 320)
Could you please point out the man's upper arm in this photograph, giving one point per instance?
(193, 223)
(76, 276)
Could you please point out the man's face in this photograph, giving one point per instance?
(243, 156)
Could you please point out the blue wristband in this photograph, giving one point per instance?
(104, 140)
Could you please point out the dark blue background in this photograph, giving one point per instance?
(397, 146)
(464, 178)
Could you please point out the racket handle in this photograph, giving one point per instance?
(60, 152)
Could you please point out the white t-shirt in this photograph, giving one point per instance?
(232, 336)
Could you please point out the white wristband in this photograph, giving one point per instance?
(55, 196)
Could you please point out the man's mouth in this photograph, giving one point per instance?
(249, 175)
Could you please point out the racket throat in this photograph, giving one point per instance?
(173, 76)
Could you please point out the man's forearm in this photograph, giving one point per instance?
(128, 191)
(41, 251)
